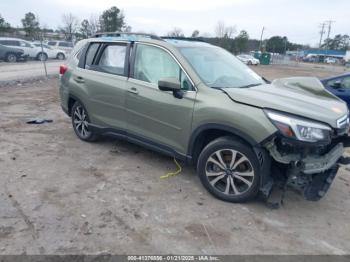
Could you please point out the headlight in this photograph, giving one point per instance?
(299, 128)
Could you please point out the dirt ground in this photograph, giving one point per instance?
(60, 195)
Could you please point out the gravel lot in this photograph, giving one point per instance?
(60, 195)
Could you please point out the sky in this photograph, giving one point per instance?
(299, 20)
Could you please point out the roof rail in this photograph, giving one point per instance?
(197, 39)
(126, 35)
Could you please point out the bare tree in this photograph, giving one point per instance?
(223, 31)
(70, 25)
(176, 32)
(94, 24)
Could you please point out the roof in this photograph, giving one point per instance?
(164, 41)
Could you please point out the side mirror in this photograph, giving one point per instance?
(169, 84)
(336, 84)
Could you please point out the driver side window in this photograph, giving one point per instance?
(153, 63)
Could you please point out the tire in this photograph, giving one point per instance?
(238, 181)
(11, 58)
(80, 122)
(250, 62)
(41, 57)
(61, 56)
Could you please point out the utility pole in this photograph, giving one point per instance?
(329, 22)
(322, 25)
(262, 33)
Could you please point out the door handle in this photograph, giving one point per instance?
(79, 79)
(133, 90)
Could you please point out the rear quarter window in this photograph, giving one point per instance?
(90, 55)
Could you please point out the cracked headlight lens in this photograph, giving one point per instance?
(299, 128)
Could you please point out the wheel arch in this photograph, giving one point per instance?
(71, 100)
(206, 133)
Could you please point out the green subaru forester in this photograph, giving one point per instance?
(198, 103)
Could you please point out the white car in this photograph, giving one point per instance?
(330, 60)
(29, 49)
(50, 52)
(248, 59)
(63, 45)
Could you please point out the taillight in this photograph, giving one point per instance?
(63, 69)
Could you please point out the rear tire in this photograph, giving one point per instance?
(229, 170)
(61, 56)
(250, 62)
(11, 58)
(41, 57)
(80, 122)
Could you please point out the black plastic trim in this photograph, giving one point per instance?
(142, 141)
(230, 129)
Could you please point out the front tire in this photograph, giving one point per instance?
(80, 122)
(229, 170)
(11, 58)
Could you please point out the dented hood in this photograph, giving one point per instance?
(303, 96)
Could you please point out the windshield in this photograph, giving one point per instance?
(220, 69)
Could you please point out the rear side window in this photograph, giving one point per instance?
(65, 44)
(10, 42)
(112, 59)
(51, 43)
(90, 55)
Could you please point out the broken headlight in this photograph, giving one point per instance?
(299, 128)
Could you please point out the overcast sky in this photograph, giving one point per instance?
(298, 20)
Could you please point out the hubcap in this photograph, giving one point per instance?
(229, 172)
(81, 122)
(12, 58)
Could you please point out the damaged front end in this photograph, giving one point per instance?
(308, 167)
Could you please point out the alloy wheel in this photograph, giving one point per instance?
(230, 172)
(11, 58)
(81, 123)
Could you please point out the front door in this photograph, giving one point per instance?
(153, 114)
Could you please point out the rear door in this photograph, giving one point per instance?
(153, 115)
(101, 81)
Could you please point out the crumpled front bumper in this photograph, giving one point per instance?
(311, 174)
(310, 164)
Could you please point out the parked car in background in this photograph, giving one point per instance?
(63, 45)
(29, 48)
(248, 59)
(339, 86)
(10, 54)
(52, 52)
(330, 60)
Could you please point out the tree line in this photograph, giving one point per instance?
(113, 19)
(110, 20)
